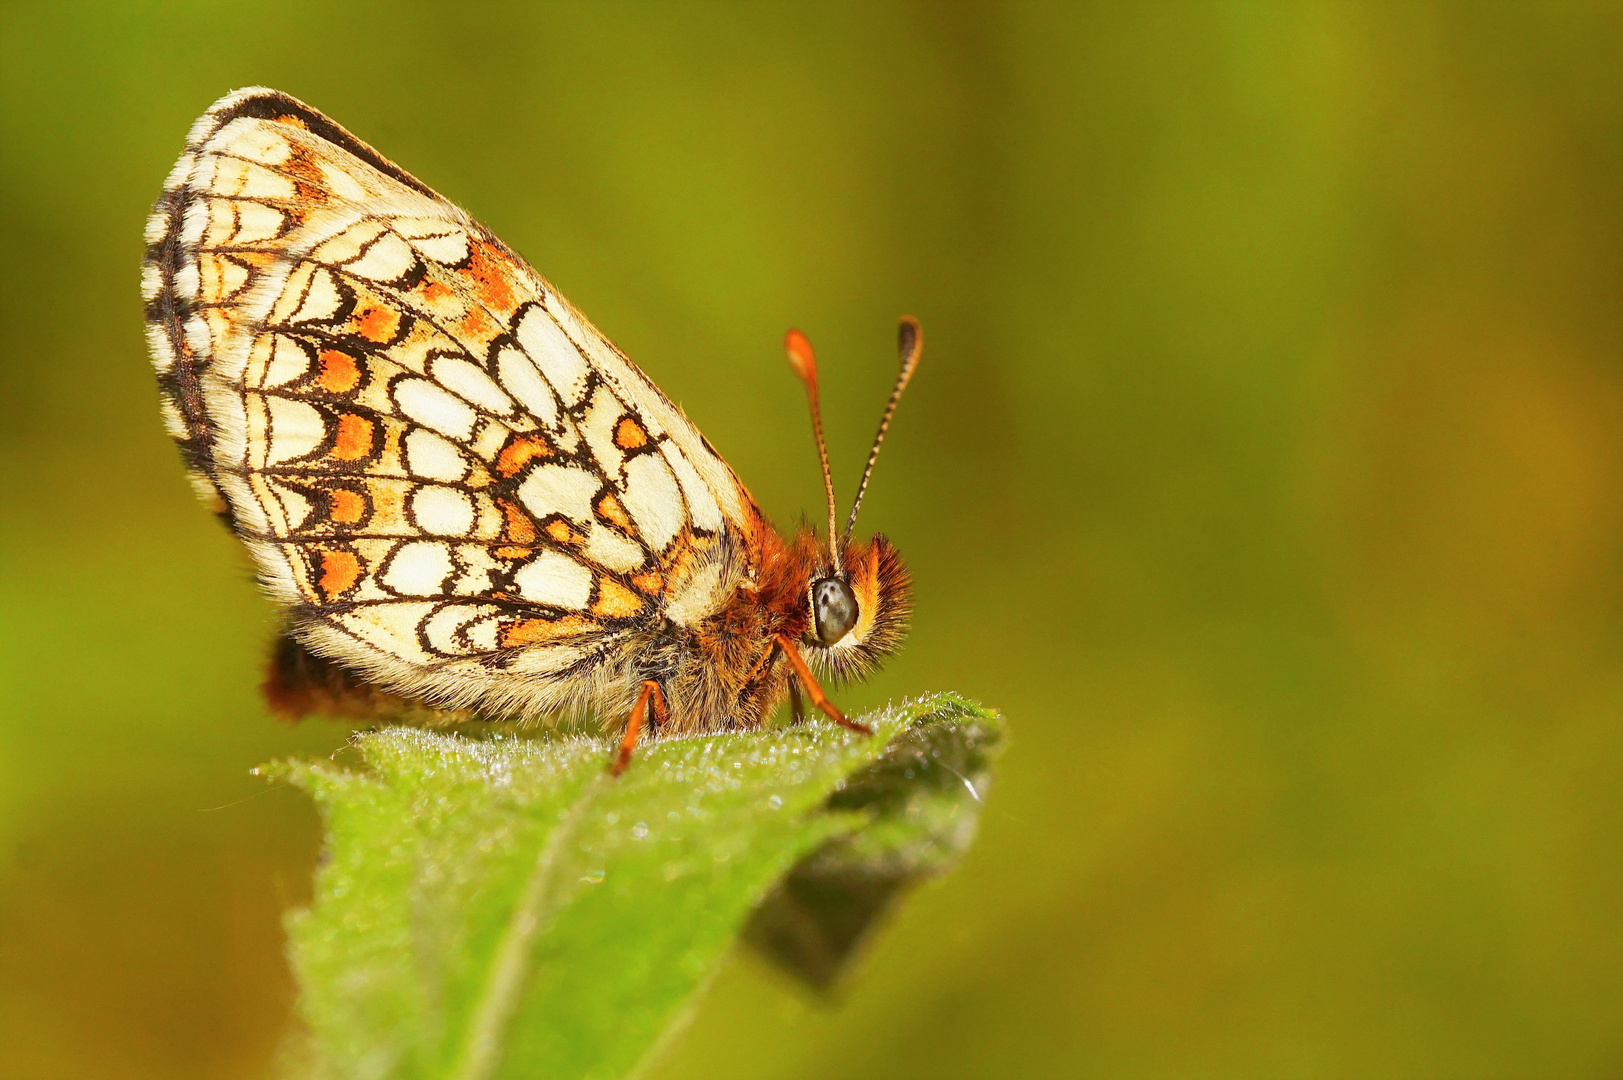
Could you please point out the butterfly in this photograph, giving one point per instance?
(461, 496)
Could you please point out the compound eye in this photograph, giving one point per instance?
(834, 607)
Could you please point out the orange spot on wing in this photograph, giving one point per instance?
(610, 510)
(340, 570)
(615, 601)
(292, 121)
(562, 533)
(476, 325)
(649, 581)
(433, 291)
(345, 506)
(375, 322)
(354, 440)
(339, 372)
(513, 552)
(491, 272)
(629, 435)
(309, 183)
(534, 631)
(300, 163)
(520, 526)
(520, 451)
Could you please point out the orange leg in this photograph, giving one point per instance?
(815, 692)
(639, 713)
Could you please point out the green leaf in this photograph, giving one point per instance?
(495, 907)
(921, 799)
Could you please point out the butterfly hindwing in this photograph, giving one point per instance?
(450, 479)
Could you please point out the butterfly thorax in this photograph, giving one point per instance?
(725, 670)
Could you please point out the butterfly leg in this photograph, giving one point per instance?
(815, 692)
(797, 708)
(651, 696)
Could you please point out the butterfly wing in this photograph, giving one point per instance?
(447, 476)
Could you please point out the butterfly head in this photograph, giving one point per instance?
(857, 616)
(859, 595)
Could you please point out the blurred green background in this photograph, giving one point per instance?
(1265, 466)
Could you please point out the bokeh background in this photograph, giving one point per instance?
(1265, 466)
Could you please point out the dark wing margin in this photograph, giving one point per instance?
(263, 104)
(175, 332)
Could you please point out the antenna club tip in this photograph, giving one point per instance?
(801, 357)
(909, 339)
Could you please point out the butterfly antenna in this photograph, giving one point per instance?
(804, 361)
(909, 343)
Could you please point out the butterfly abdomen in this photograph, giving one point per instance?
(300, 683)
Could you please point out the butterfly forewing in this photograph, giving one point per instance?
(449, 477)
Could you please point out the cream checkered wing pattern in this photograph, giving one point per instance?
(447, 476)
